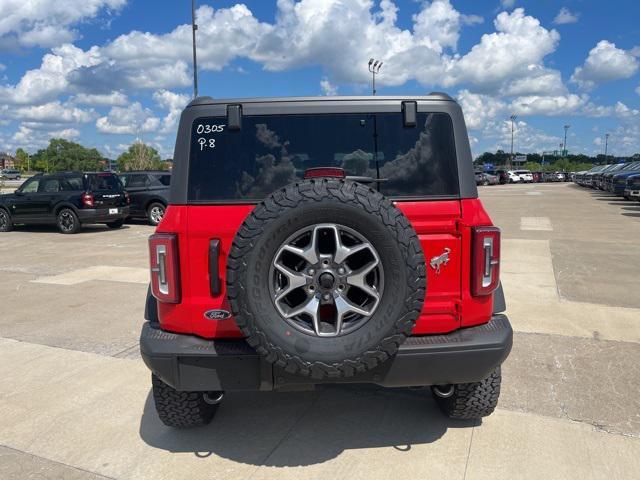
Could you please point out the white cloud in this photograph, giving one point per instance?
(479, 108)
(548, 105)
(565, 16)
(67, 133)
(539, 81)
(47, 23)
(131, 120)
(50, 79)
(52, 112)
(175, 103)
(507, 3)
(327, 87)
(96, 99)
(2, 67)
(605, 63)
(638, 89)
(518, 43)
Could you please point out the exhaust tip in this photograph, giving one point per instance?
(213, 398)
(443, 391)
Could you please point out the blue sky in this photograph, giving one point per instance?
(104, 72)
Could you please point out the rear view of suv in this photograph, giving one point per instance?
(324, 240)
(149, 193)
(66, 199)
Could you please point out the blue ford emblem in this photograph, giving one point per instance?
(217, 314)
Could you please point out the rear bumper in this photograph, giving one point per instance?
(190, 363)
(102, 215)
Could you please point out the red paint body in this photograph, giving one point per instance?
(448, 306)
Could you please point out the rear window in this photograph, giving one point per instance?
(273, 150)
(102, 181)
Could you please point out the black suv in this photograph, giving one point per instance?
(149, 192)
(66, 199)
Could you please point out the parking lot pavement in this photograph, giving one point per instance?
(75, 402)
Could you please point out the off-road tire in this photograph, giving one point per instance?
(76, 221)
(472, 400)
(6, 224)
(116, 224)
(150, 217)
(181, 409)
(312, 202)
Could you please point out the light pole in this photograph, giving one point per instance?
(606, 144)
(566, 127)
(513, 119)
(374, 68)
(194, 27)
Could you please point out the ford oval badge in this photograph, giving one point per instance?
(217, 314)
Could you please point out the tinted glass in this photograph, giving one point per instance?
(104, 182)
(165, 180)
(71, 184)
(139, 180)
(31, 186)
(49, 185)
(271, 151)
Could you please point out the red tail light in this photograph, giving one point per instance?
(485, 271)
(165, 272)
(88, 200)
(127, 198)
(324, 172)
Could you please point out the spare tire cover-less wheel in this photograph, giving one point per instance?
(326, 278)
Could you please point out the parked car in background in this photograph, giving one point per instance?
(10, 174)
(617, 182)
(483, 178)
(525, 175)
(537, 177)
(503, 176)
(68, 200)
(513, 177)
(597, 180)
(149, 192)
(632, 188)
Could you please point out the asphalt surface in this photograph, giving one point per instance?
(75, 402)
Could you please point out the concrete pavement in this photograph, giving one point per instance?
(74, 400)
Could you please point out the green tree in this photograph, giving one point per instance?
(22, 159)
(63, 155)
(533, 166)
(140, 157)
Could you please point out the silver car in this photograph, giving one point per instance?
(10, 174)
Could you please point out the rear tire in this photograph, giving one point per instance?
(182, 409)
(68, 221)
(472, 400)
(155, 213)
(6, 225)
(116, 224)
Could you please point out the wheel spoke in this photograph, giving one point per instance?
(294, 280)
(310, 307)
(310, 253)
(344, 306)
(343, 252)
(358, 279)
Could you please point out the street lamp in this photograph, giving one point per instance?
(194, 27)
(374, 68)
(513, 119)
(566, 127)
(606, 144)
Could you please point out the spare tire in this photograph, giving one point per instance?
(326, 278)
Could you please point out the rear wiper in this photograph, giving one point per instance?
(359, 179)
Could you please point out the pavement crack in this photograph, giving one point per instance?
(466, 464)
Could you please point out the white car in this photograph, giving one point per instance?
(513, 177)
(525, 175)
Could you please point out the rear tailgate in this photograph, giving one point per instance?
(107, 190)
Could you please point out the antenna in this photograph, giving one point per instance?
(194, 27)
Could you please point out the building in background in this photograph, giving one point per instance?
(7, 161)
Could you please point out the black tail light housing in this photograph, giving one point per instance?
(165, 267)
(485, 268)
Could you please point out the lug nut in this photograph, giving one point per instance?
(340, 287)
(341, 271)
(326, 296)
(311, 288)
(311, 271)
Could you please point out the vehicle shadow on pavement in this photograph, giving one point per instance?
(54, 229)
(282, 429)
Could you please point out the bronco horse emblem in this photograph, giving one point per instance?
(442, 259)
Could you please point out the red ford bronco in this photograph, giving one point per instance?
(324, 240)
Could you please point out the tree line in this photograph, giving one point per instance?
(65, 155)
(537, 163)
